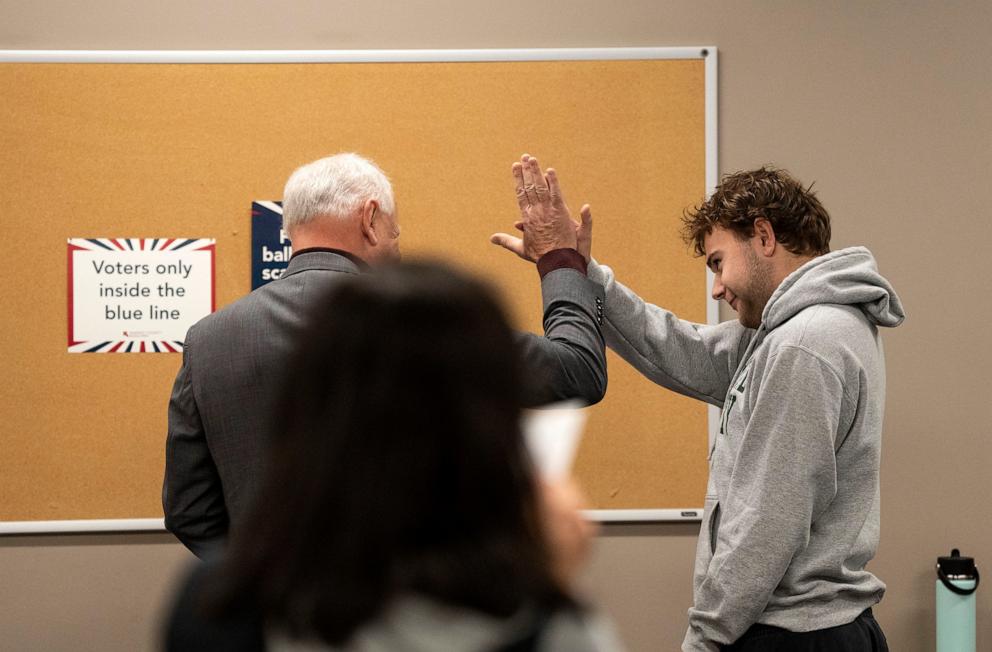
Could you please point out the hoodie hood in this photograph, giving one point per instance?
(845, 277)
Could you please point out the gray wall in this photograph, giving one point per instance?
(885, 105)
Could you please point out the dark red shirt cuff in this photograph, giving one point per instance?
(559, 258)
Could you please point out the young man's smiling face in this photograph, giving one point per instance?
(741, 277)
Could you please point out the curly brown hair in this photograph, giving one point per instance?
(798, 218)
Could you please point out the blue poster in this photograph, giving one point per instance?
(270, 246)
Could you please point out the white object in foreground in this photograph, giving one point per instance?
(552, 435)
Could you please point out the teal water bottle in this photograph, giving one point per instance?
(957, 579)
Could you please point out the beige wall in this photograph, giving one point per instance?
(885, 105)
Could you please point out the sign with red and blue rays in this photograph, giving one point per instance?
(138, 295)
(270, 246)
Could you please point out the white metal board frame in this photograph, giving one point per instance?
(707, 53)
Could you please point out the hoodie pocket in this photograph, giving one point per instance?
(713, 523)
(707, 537)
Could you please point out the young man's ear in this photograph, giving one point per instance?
(765, 236)
(370, 211)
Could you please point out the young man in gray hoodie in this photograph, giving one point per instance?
(792, 506)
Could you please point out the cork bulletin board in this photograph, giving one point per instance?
(151, 145)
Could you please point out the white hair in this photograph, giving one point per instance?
(336, 186)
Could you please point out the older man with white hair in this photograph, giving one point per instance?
(340, 214)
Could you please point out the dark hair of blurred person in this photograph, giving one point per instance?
(401, 469)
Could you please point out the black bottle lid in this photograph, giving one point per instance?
(956, 565)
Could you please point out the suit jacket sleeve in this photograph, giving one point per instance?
(569, 361)
(192, 496)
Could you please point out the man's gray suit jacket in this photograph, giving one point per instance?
(225, 390)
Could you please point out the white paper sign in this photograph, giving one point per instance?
(137, 295)
(552, 435)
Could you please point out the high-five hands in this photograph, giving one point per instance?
(545, 220)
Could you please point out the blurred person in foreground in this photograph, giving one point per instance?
(400, 510)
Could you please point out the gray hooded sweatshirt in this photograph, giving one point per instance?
(792, 505)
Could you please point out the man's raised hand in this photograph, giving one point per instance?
(545, 220)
